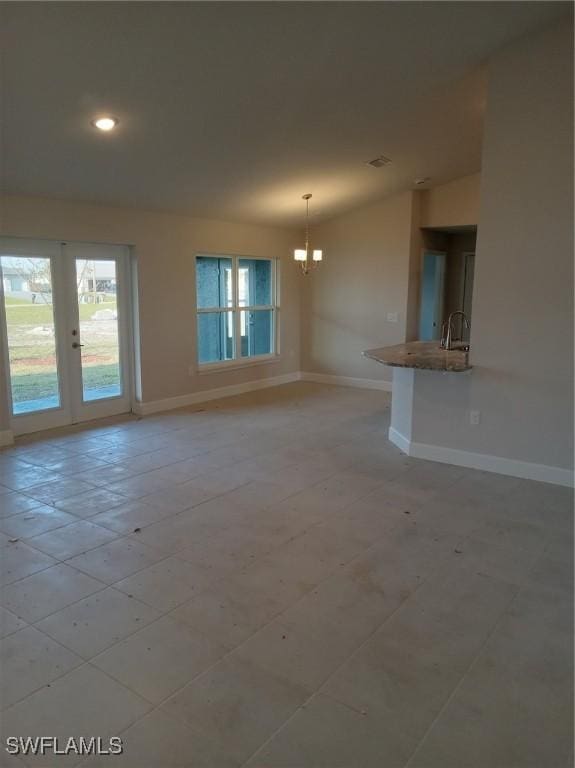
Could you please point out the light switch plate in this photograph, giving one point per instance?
(392, 317)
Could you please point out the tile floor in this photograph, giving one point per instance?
(266, 581)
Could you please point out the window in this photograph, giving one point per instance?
(237, 308)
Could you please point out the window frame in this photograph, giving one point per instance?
(237, 361)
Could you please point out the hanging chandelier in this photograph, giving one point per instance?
(306, 259)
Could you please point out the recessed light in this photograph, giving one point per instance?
(422, 180)
(105, 123)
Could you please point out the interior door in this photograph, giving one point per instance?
(65, 323)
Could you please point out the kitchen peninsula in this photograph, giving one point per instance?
(428, 355)
(410, 361)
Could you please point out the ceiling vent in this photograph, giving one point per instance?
(379, 162)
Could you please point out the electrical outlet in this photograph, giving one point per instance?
(474, 417)
(392, 317)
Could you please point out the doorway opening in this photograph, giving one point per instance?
(447, 273)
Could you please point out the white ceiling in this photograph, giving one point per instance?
(234, 110)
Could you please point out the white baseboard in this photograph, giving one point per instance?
(483, 461)
(399, 440)
(170, 403)
(347, 381)
(6, 437)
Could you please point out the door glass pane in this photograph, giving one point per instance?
(215, 336)
(27, 283)
(256, 331)
(255, 282)
(96, 284)
(213, 282)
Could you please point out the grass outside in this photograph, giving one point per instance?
(35, 386)
(33, 353)
(26, 313)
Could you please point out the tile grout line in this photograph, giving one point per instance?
(26, 541)
(168, 613)
(504, 612)
(162, 613)
(358, 649)
(336, 670)
(176, 554)
(158, 706)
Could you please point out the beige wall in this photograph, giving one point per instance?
(164, 246)
(522, 334)
(454, 204)
(363, 278)
(372, 266)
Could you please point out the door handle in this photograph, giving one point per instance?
(75, 345)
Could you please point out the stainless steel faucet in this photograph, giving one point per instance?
(447, 338)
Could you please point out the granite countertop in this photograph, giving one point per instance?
(426, 355)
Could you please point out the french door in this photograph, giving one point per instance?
(65, 321)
